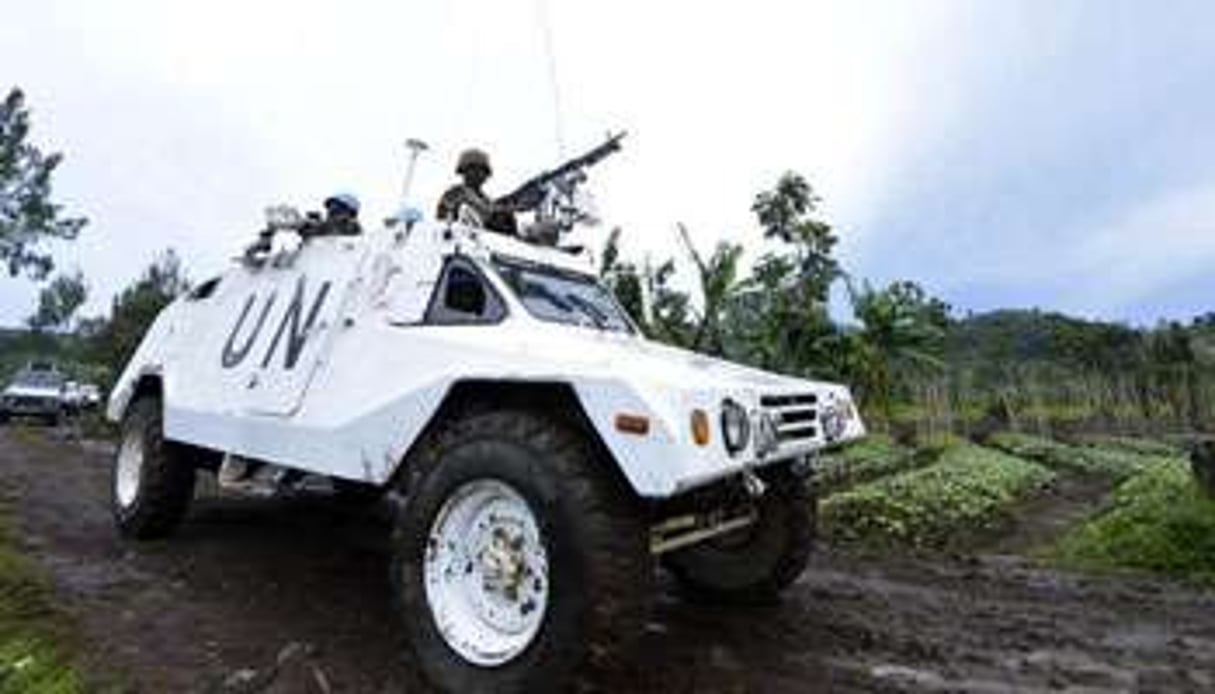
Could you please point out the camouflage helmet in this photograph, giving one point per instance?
(471, 158)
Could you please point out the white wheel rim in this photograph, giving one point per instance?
(486, 573)
(130, 467)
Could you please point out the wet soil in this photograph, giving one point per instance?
(250, 584)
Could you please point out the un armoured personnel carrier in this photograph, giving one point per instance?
(539, 455)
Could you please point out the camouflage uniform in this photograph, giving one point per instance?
(464, 194)
(474, 167)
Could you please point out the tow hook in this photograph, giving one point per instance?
(804, 467)
(753, 484)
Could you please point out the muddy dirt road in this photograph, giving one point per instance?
(247, 582)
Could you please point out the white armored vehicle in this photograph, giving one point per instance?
(538, 452)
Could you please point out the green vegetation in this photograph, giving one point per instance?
(28, 216)
(58, 302)
(100, 346)
(915, 366)
(33, 632)
(1132, 445)
(862, 461)
(1159, 522)
(1113, 463)
(969, 489)
(113, 339)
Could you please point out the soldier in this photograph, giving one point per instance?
(467, 202)
(341, 218)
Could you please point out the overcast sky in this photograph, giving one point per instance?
(1040, 153)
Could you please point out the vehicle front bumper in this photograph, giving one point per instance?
(30, 406)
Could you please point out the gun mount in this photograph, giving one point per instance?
(555, 198)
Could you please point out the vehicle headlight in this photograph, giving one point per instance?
(735, 427)
(767, 439)
(835, 418)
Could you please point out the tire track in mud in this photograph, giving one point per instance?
(248, 581)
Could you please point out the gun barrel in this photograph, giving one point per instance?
(531, 192)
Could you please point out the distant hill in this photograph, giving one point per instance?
(1011, 336)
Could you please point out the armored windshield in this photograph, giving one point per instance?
(560, 296)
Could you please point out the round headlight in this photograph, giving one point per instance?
(834, 421)
(735, 427)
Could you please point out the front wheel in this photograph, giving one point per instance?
(519, 562)
(153, 479)
(753, 564)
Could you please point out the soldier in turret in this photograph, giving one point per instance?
(467, 202)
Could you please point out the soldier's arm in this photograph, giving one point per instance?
(449, 203)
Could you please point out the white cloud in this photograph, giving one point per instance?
(1151, 244)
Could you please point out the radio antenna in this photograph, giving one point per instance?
(546, 31)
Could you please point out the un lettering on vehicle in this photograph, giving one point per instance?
(296, 324)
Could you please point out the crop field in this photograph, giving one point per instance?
(1115, 462)
(967, 490)
(1137, 508)
(1157, 521)
(864, 460)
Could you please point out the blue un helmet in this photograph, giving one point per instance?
(343, 201)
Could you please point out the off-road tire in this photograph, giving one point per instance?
(754, 564)
(165, 481)
(599, 566)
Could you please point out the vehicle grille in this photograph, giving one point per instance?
(796, 415)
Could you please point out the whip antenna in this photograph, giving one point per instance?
(546, 30)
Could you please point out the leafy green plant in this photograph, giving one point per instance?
(1128, 444)
(968, 490)
(863, 460)
(33, 666)
(1159, 522)
(1114, 463)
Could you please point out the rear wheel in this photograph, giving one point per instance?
(519, 562)
(753, 564)
(153, 479)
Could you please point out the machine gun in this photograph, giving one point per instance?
(552, 195)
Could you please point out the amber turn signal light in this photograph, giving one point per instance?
(700, 427)
(633, 424)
